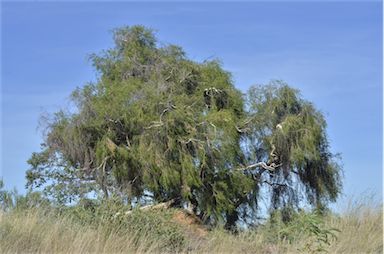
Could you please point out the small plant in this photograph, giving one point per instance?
(6, 198)
(311, 227)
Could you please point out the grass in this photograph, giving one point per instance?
(359, 229)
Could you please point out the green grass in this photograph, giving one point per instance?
(357, 230)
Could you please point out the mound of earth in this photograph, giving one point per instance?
(190, 223)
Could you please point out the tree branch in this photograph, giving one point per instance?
(262, 164)
(275, 184)
(163, 205)
(160, 122)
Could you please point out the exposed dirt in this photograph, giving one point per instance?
(191, 224)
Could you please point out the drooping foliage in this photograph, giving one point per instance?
(157, 126)
(290, 132)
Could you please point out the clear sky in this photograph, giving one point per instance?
(331, 51)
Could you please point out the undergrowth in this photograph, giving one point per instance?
(28, 226)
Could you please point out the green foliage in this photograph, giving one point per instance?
(158, 124)
(288, 130)
(306, 227)
(6, 197)
(11, 200)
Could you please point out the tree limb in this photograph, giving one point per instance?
(275, 184)
(262, 164)
(163, 205)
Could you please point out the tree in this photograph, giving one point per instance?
(157, 126)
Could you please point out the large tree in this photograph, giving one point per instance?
(158, 126)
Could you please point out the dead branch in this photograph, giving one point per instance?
(245, 128)
(262, 164)
(163, 205)
(154, 125)
(276, 184)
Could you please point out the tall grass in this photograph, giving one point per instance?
(37, 231)
(359, 230)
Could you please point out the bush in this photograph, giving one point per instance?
(306, 227)
(10, 200)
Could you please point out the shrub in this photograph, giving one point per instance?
(306, 227)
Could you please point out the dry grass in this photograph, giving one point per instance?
(361, 231)
(33, 233)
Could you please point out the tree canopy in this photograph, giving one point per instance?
(157, 126)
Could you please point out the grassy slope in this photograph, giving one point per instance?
(32, 231)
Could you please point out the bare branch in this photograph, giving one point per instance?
(191, 140)
(244, 129)
(160, 122)
(276, 184)
(163, 205)
(154, 125)
(241, 130)
(262, 164)
(214, 129)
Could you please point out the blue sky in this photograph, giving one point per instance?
(331, 51)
